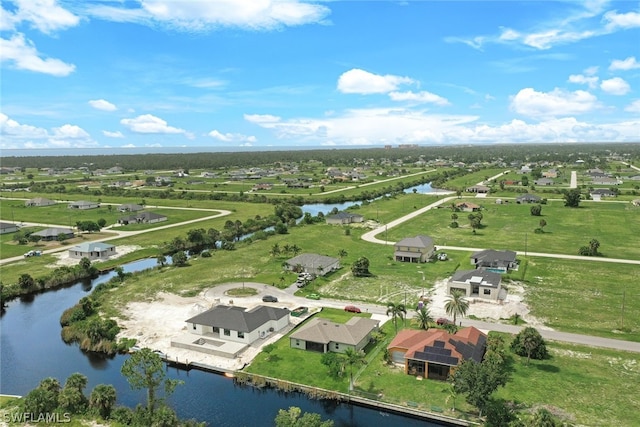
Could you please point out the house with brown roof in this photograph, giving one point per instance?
(467, 207)
(414, 249)
(435, 353)
(322, 335)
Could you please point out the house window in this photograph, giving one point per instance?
(337, 346)
(194, 326)
(227, 332)
(297, 343)
(240, 334)
(487, 291)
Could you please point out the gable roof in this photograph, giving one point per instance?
(7, 225)
(238, 318)
(92, 247)
(478, 277)
(467, 205)
(491, 256)
(325, 331)
(83, 203)
(603, 192)
(438, 346)
(416, 242)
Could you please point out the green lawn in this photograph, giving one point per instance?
(512, 226)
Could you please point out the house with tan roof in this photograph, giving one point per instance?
(322, 335)
(468, 207)
(435, 353)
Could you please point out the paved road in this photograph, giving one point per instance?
(287, 297)
(574, 180)
(118, 234)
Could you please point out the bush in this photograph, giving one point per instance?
(529, 343)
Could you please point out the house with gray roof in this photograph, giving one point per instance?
(237, 324)
(476, 284)
(39, 201)
(53, 233)
(543, 182)
(496, 261)
(142, 218)
(323, 335)
(315, 264)
(83, 205)
(414, 249)
(599, 193)
(7, 227)
(129, 207)
(342, 218)
(528, 198)
(92, 250)
(478, 189)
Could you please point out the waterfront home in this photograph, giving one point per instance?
(92, 250)
(322, 335)
(414, 249)
(237, 324)
(476, 284)
(435, 353)
(342, 218)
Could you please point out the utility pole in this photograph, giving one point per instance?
(622, 320)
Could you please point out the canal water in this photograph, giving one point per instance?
(31, 349)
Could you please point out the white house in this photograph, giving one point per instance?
(92, 250)
(237, 324)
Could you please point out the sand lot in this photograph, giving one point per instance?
(155, 323)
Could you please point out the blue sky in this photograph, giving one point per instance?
(249, 73)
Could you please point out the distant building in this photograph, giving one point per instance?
(318, 265)
(53, 233)
(39, 201)
(414, 249)
(83, 205)
(7, 227)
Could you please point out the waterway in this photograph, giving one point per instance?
(31, 349)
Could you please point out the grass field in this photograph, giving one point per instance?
(583, 385)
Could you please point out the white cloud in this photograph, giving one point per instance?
(592, 81)
(364, 82)
(70, 131)
(617, 20)
(419, 97)
(400, 125)
(530, 102)
(615, 86)
(116, 134)
(101, 104)
(231, 137)
(261, 118)
(629, 63)
(211, 15)
(634, 107)
(577, 23)
(11, 129)
(24, 56)
(45, 15)
(591, 71)
(148, 123)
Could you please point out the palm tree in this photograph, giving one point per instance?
(423, 318)
(353, 358)
(396, 311)
(342, 253)
(456, 304)
(275, 250)
(102, 398)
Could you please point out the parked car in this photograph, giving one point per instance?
(352, 309)
(443, 321)
(32, 253)
(269, 298)
(313, 296)
(300, 284)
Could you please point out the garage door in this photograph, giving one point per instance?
(397, 356)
